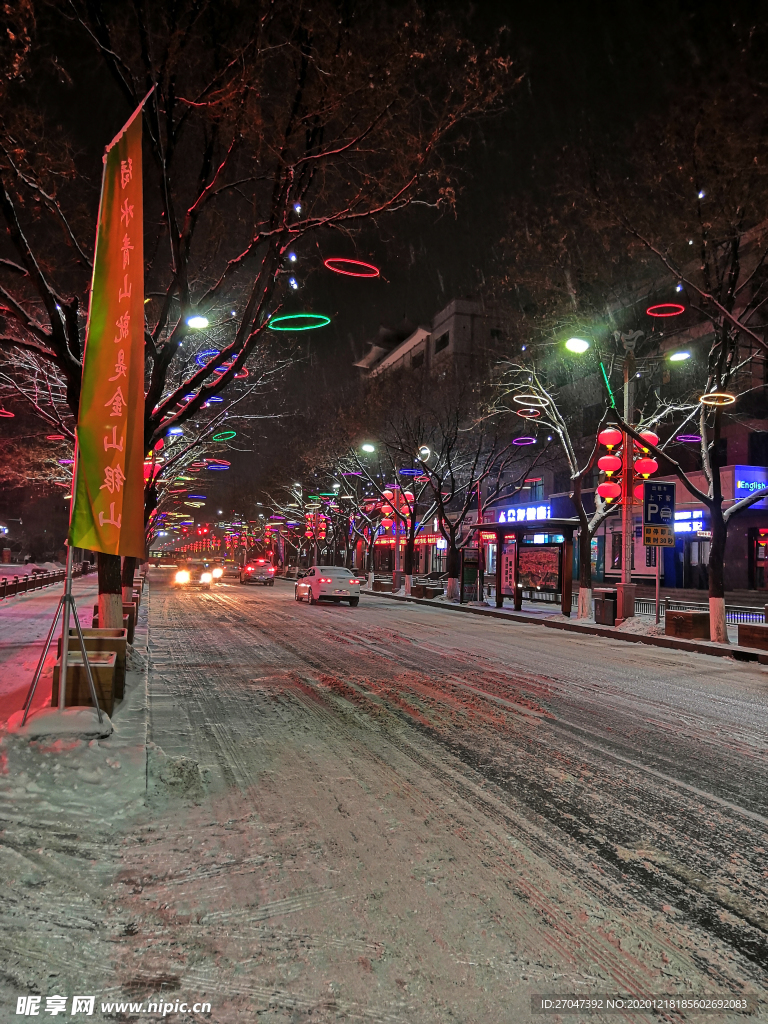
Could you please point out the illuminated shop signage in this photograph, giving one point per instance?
(747, 480)
(525, 515)
(689, 522)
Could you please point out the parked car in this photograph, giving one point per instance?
(258, 570)
(328, 583)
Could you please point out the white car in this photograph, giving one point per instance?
(328, 583)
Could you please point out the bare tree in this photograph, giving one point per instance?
(268, 124)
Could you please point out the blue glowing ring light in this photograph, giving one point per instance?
(204, 357)
(218, 467)
(409, 472)
(294, 321)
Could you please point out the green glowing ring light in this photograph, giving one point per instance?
(292, 321)
(225, 435)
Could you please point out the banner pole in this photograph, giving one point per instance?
(68, 590)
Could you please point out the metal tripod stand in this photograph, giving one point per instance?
(66, 603)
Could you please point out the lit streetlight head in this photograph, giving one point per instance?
(679, 357)
(577, 345)
(368, 448)
(198, 323)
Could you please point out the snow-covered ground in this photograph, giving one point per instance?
(393, 813)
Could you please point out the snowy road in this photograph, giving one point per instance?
(418, 815)
(400, 813)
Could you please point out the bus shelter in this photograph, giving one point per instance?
(560, 561)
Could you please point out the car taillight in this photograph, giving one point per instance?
(326, 579)
(271, 568)
(249, 569)
(354, 581)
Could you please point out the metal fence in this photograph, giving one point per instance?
(14, 585)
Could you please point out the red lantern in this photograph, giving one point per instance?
(649, 436)
(388, 495)
(610, 437)
(609, 464)
(386, 523)
(609, 491)
(646, 466)
(639, 493)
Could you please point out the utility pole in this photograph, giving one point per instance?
(626, 590)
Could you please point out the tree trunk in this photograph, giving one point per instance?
(453, 564)
(408, 563)
(129, 570)
(585, 575)
(110, 592)
(718, 631)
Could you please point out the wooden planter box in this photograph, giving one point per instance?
(78, 693)
(687, 625)
(129, 610)
(753, 634)
(382, 588)
(104, 640)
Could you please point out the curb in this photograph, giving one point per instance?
(691, 646)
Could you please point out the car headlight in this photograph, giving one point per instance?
(217, 574)
(206, 577)
(182, 576)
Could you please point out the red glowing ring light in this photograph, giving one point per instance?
(524, 440)
(342, 262)
(665, 309)
(7, 414)
(528, 414)
(55, 437)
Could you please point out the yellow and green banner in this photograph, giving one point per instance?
(108, 510)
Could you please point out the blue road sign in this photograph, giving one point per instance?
(658, 504)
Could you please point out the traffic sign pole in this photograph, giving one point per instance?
(658, 559)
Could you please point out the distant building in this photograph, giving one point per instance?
(466, 333)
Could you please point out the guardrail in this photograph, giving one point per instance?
(14, 585)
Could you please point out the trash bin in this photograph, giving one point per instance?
(605, 606)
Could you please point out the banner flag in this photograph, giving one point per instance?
(108, 509)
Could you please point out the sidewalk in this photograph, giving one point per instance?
(551, 618)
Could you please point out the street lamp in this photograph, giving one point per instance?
(577, 345)
(368, 448)
(197, 323)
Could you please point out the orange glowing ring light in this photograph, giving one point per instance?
(528, 414)
(666, 309)
(338, 263)
(717, 398)
(534, 401)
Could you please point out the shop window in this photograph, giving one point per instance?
(616, 550)
(535, 490)
(721, 451)
(442, 342)
(758, 448)
(617, 553)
